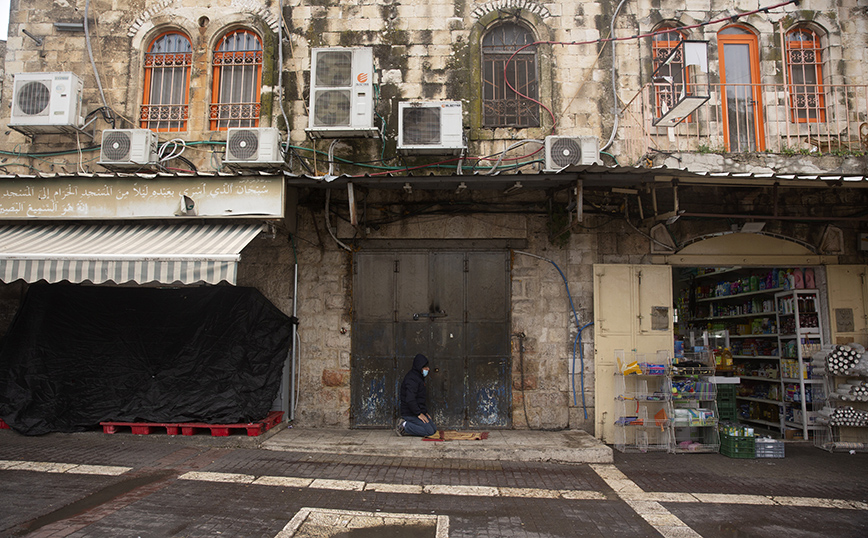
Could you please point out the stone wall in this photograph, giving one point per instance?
(423, 51)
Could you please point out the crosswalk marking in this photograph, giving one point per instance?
(67, 468)
(664, 521)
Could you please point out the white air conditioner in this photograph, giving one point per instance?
(563, 151)
(46, 103)
(128, 148)
(341, 93)
(253, 147)
(430, 128)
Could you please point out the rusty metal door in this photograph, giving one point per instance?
(452, 307)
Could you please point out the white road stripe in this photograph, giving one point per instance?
(470, 491)
(626, 489)
(218, 477)
(666, 523)
(283, 481)
(394, 488)
(68, 468)
(351, 519)
(343, 485)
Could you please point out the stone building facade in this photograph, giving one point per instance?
(433, 51)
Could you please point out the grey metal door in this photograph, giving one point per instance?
(452, 307)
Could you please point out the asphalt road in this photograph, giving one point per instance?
(94, 485)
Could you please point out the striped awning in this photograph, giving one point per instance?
(164, 253)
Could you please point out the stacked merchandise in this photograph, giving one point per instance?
(737, 441)
(845, 412)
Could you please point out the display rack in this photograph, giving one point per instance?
(694, 404)
(844, 416)
(643, 402)
(740, 303)
(800, 336)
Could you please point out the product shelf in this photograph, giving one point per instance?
(762, 400)
(643, 402)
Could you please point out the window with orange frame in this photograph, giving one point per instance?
(805, 69)
(665, 39)
(165, 100)
(237, 79)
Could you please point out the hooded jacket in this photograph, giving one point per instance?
(413, 391)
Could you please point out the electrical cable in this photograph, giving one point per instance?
(615, 110)
(512, 146)
(732, 18)
(92, 62)
(328, 223)
(579, 328)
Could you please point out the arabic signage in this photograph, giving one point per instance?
(137, 198)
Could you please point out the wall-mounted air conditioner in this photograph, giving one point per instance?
(430, 128)
(252, 147)
(128, 148)
(341, 93)
(563, 151)
(46, 103)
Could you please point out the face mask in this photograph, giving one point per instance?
(424, 373)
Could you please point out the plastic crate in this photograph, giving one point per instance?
(726, 393)
(769, 448)
(727, 411)
(736, 446)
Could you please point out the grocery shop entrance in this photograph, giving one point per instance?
(761, 325)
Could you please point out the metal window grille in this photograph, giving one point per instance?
(503, 107)
(165, 104)
(237, 68)
(662, 46)
(804, 59)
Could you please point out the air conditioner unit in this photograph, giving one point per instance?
(253, 147)
(46, 103)
(430, 128)
(128, 148)
(341, 93)
(563, 151)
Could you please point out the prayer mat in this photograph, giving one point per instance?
(452, 435)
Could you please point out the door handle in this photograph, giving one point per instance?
(437, 314)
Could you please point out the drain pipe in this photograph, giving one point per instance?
(294, 360)
(577, 340)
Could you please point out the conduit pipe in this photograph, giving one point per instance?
(615, 111)
(577, 341)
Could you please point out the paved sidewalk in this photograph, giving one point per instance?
(568, 446)
(92, 485)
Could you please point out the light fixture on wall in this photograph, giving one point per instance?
(686, 91)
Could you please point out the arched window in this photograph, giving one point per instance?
(805, 69)
(237, 79)
(502, 106)
(662, 44)
(167, 83)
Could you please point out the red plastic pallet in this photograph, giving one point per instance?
(189, 428)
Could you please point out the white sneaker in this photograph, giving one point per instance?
(399, 429)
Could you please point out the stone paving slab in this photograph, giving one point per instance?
(569, 446)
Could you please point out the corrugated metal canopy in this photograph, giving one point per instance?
(122, 253)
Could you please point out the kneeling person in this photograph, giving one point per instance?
(414, 412)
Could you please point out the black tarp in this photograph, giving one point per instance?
(78, 355)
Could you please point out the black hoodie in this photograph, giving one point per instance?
(413, 392)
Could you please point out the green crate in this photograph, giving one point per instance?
(727, 411)
(726, 393)
(737, 446)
